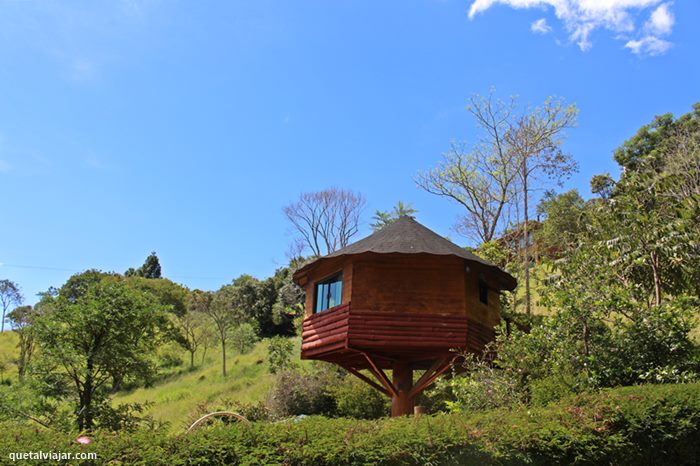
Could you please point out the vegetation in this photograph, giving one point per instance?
(650, 424)
(608, 373)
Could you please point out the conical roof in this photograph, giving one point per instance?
(407, 236)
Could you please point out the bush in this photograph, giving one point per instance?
(301, 392)
(354, 398)
(652, 424)
(279, 354)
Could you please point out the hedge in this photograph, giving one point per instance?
(651, 424)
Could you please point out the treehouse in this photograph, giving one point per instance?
(401, 299)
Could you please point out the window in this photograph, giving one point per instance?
(329, 293)
(483, 290)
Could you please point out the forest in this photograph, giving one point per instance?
(598, 352)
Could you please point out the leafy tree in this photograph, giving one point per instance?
(149, 269)
(535, 139)
(21, 319)
(10, 296)
(223, 309)
(325, 220)
(195, 330)
(602, 185)
(96, 323)
(565, 220)
(384, 218)
(243, 338)
(479, 178)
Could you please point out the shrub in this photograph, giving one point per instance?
(301, 392)
(354, 398)
(279, 354)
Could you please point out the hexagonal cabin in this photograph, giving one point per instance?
(402, 299)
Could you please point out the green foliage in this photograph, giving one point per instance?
(243, 338)
(481, 386)
(356, 399)
(96, 328)
(150, 268)
(565, 220)
(384, 218)
(657, 425)
(10, 296)
(301, 392)
(279, 354)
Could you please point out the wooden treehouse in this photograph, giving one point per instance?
(401, 299)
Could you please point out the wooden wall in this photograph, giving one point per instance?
(488, 315)
(323, 271)
(417, 283)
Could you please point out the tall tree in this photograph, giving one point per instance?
(385, 217)
(22, 319)
(535, 138)
(194, 326)
(85, 334)
(221, 308)
(10, 296)
(479, 178)
(325, 220)
(149, 269)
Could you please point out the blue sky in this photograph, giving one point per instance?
(184, 127)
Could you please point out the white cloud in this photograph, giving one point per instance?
(582, 17)
(661, 21)
(540, 26)
(648, 45)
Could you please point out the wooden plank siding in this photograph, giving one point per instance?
(343, 332)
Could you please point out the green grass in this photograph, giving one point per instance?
(182, 393)
(8, 353)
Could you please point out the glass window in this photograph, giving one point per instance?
(329, 293)
(483, 290)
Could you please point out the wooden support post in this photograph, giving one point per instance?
(402, 402)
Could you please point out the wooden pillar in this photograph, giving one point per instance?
(402, 404)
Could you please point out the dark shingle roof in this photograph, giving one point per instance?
(407, 236)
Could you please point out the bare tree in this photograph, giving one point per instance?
(479, 178)
(326, 220)
(10, 296)
(196, 332)
(535, 138)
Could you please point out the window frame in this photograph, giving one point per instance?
(332, 278)
(483, 290)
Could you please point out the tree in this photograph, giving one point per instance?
(384, 218)
(535, 139)
(194, 326)
(564, 220)
(85, 335)
(243, 338)
(222, 308)
(149, 269)
(602, 185)
(21, 319)
(325, 220)
(480, 178)
(10, 296)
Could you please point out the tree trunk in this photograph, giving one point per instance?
(191, 360)
(526, 260)
(223, 357)
(85, 416)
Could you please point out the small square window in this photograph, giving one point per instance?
(328, 293)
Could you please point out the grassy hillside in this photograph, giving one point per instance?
(8, 353)
(180, 394)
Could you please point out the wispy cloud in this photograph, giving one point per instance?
(582, 17)
(540, 26)
(648, 45)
